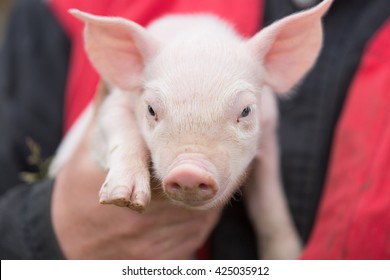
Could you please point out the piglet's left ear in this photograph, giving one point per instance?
(289, 47)
(118, 48)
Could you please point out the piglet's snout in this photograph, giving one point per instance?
(191, 182)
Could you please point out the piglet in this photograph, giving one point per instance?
(192, 97)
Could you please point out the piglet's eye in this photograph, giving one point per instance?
(247, 110)
(151, 111)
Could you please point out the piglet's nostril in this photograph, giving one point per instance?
(206, 191)
(171, 187)
(174, 187)
(204, 187)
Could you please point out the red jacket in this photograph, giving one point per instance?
(354, 216)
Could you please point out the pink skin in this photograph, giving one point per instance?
(201, 166)
(190, 181)
(192, 170)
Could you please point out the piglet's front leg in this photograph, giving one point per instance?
(119, 147)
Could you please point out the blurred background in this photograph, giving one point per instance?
(5, 6)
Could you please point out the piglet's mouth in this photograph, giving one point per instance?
(191, 180)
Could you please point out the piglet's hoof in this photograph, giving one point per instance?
(134, 195)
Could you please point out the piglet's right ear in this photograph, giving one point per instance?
(118, 48)
(289, 47)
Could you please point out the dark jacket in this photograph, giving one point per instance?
(33, 67)
(33, 70)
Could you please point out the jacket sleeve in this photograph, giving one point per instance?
(25, 223)
(33, 68)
